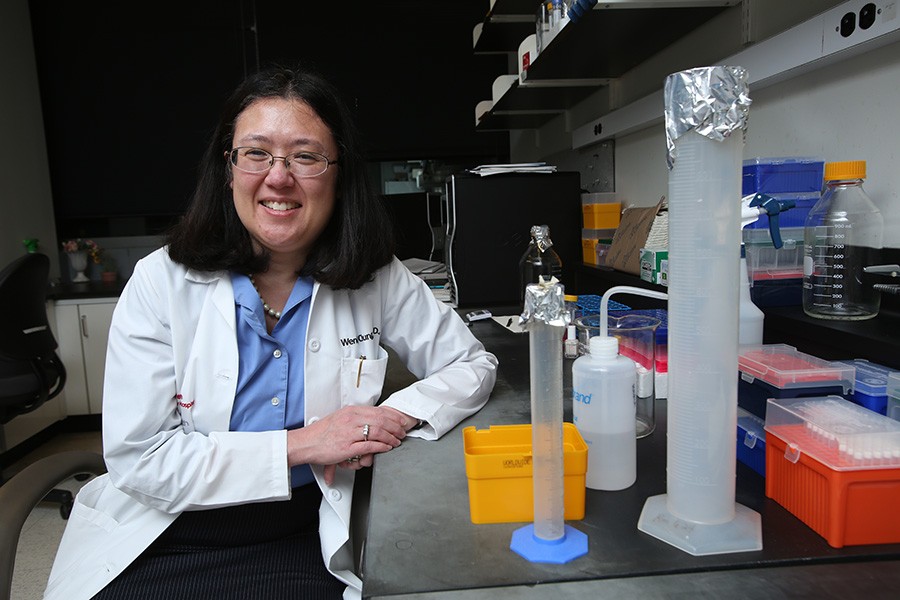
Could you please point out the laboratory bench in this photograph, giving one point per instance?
(421, 542)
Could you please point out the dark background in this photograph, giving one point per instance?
(130, 97)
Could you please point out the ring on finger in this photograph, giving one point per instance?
(366, 432)
(353, 459)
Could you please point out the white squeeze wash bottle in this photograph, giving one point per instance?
(604, 413)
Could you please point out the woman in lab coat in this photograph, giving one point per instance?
(244, 364)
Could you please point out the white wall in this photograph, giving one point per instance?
(26, 206)
(847, 111)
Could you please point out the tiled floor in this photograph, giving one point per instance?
(43, 529)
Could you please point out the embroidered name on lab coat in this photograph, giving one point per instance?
(362, 337)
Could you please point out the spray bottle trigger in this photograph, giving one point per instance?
(773, 208)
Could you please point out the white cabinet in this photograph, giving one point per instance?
(83, 330)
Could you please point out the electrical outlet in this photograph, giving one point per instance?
(858, 21)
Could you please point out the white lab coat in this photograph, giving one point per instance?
(171, 375)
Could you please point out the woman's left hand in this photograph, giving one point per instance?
(367, 460)
(348, 437)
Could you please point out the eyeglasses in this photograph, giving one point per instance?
(257, 160)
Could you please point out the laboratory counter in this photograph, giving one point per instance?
(88, 289)
(421, 542)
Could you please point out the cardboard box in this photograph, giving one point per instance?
(499, 470)
(631, 235)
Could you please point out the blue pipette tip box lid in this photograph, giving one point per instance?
(751, 441)
(782, 174)
(836, 466)
(870, 389)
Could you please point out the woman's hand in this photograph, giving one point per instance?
(348, 437)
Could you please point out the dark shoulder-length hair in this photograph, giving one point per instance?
(358, 238)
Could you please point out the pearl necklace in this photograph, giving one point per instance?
(268, 309)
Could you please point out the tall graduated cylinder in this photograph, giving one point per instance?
(704, 235)
(705, 115)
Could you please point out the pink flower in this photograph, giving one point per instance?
(84, 245)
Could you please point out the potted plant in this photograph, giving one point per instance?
(79, 250)
(109, 273)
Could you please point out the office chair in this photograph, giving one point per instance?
(25, 490)
(31, 371)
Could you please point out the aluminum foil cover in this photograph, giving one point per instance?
(541, 235)
(713, 101)
(545, 302)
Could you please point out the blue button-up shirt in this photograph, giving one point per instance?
(270, 378)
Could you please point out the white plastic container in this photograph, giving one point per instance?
(751, 318)
(604, 413)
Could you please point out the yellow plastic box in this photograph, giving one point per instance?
(589, 240)
(601, 216)
(499, 470)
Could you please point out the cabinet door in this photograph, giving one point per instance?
(82, 333)
(68, 336)
(95, 321)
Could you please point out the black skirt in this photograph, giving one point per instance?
(266, 550)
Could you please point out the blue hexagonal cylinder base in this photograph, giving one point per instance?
(569, 547)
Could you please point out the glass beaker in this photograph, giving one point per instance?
(637, 341)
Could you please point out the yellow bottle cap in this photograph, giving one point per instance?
(851, 169)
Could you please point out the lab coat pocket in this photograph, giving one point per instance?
(362, 378)
(84, 510)
(85, 534)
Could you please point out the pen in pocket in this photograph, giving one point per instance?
(359, 371)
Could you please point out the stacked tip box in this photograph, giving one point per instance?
(836, 467)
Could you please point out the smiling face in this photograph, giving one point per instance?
(283, 213)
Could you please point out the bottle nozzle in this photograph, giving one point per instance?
(622, 289)
(770, 206)
(604, 347)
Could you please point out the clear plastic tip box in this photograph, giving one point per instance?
(782, 371)
(835, 466)
(893, 396)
